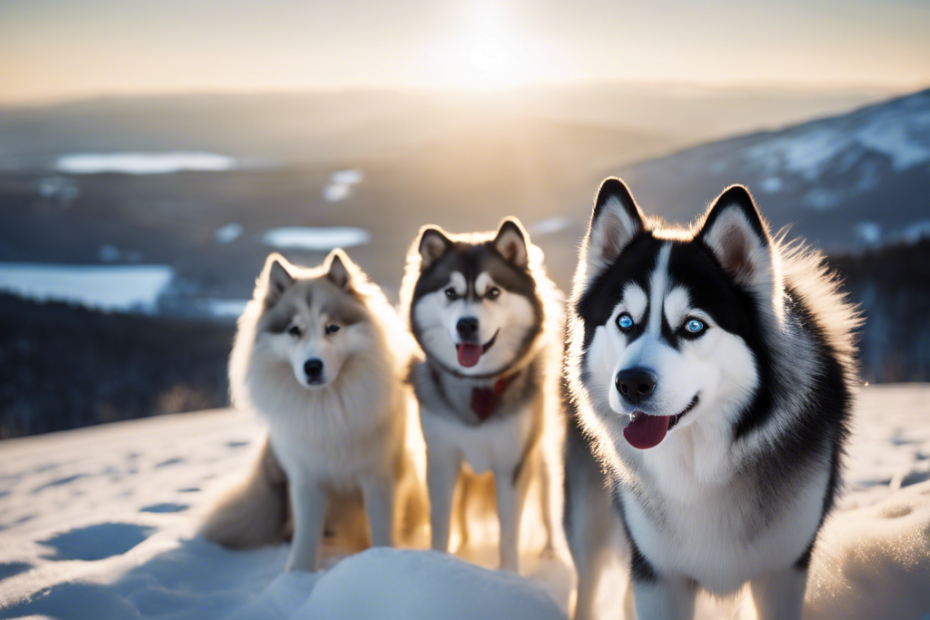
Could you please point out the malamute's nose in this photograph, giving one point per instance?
(636, 384)
(467, 328)
(314, 369)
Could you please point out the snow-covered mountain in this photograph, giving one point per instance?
(844, 182)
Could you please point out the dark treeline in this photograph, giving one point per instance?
(892, 287)
(65, 367)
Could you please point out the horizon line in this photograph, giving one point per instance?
(787, 87)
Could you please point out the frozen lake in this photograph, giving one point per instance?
(316, 239)
(143, 163)
(105, 287)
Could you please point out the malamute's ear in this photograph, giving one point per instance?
(433, 244)
(337, 269)
(275, 278)
(615, 221)
(511, 242)
(735, 232)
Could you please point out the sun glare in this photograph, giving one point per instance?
(487, 54)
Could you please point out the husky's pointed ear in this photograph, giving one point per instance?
(337, 268)
(433, 244)
(275, 279)
(510, 242)
(738, 237)
(615, 221)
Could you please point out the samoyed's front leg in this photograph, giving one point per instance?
(309, 511)
(510, 487)
(658, 598)
(378, 494)
(441, 476)
(780, 596)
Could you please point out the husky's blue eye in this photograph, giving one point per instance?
(332, 329)
(625, 322)
(695, 326)
(451, 294)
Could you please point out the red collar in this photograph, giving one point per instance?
(484, 401)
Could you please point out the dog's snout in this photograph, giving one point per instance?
(636, 384)
(314, 369)
(467, 328)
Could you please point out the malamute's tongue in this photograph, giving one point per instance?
(469, 354)
(646, 431)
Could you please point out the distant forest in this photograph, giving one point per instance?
(892, 287)
(65, 367)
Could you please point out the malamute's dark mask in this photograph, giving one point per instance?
(474, 308)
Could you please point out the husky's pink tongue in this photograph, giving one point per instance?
(469, 354)
(646, 431)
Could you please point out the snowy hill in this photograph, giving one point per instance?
(97, 523)
(849, 181)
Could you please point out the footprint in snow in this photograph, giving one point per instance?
(165, 507)
(58, 483)
(96, 542)
(169, 462)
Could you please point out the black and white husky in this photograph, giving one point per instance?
(488, 320)
(710, 373)
(321, 355)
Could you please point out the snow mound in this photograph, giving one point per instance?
(393, 584)
(873, 560)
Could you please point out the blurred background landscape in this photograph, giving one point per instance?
(151, 157)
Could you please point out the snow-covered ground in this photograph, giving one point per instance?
(97, 524)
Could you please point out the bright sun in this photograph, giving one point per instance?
(488, 53)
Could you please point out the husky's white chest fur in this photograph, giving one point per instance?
(711, 531)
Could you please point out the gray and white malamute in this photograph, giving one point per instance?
(488, 320)
(321, 355)
(711, 374)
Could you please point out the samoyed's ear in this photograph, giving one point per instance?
(736, 234)
(275, 279)
(337, 268)
(433, 244)
(510, 242)
(615, 221)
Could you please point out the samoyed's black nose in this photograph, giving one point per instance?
(636, 384)
(314, 369)
(467, 328)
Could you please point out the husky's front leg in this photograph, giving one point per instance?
(309, 511)
(510, 486)
(659, 598)
(441, 476)
(780, 595)
(378, 494)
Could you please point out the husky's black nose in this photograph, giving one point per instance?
(467, 328)
(636, 384)
(314, 369)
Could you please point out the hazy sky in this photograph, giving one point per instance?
(52, 49)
